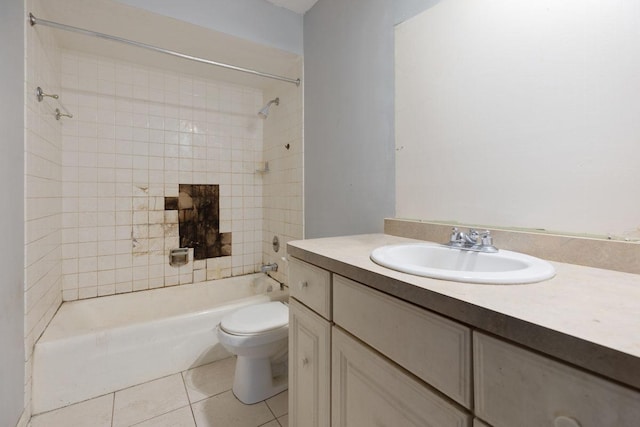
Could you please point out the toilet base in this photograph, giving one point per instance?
(253, 381)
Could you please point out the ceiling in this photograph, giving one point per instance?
(297, 6)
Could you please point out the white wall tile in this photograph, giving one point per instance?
(140, 132)
(280, 197)
(43, 191)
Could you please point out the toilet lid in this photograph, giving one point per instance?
(256, 318)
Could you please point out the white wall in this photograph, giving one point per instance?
(349, 108)
(12, 21)
(254, 20)
(521, 114)
(406, 9)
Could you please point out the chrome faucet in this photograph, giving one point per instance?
(471, 241)
(269, 267)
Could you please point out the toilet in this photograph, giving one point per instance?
(259, 335)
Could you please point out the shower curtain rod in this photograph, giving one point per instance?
(33, 21)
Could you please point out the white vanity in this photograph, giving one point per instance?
(371, 346)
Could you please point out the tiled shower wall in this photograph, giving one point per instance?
(43, 190)
(137, 134)
(283, 184)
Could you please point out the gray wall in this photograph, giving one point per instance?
(406, 9)
(12, 19)
(254, 20)
(349, 114)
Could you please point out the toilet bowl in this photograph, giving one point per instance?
(259, 335)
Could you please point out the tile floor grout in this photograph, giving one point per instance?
(272, 413)
(113, 407)
(186, 390)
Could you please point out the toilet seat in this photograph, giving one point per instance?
(257, 319)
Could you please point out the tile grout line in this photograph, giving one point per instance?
(147, 382)
(70, 404)
(272, 413)
(184, 384)
(214, 395)
(113, 407)
(156, 416)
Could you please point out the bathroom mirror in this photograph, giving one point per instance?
(521, 114)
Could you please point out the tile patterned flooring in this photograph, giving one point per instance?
(199, 397)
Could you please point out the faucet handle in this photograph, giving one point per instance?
(486, 238)
(455, 235)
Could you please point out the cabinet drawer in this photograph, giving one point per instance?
(309, 367)
(367, 390)
(433, 348)
(516, 387)
(310, 285)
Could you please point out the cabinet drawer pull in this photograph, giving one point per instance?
(302, 285)
(563, 421)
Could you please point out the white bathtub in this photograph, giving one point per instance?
(97, 346)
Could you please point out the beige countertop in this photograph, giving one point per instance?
(585, 316)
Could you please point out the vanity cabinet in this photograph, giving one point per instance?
(359, 371)
(360, 357)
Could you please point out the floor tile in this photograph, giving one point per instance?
(279, 404)
(273, 423)
(148, 400)
(179, 418)
(224, 410)
(91, 413)
(284, 421)
(209, 380)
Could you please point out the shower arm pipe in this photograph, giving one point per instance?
(33, 21)
(40, 95)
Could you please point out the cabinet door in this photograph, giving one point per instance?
(309, 367)
(368, 390)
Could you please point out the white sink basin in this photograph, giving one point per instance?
(443, 262)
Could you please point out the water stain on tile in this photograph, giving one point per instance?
(198, 209)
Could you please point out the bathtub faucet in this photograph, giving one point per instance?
(269, 267)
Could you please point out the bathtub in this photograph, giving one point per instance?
(97, 346)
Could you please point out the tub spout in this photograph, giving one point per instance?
(269, 267)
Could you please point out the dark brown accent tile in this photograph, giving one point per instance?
(170, 203)
(199, 221)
